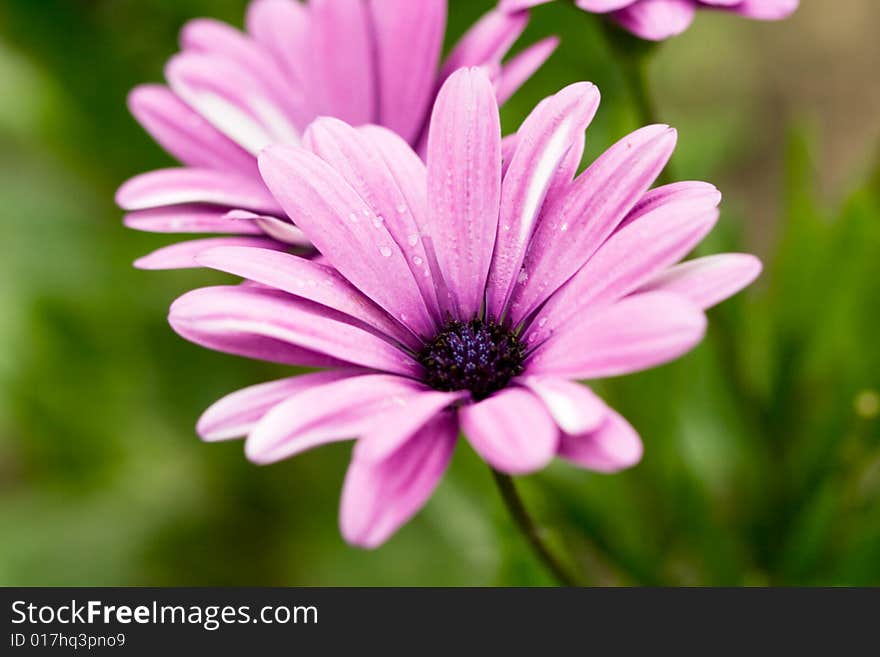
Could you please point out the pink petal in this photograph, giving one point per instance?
(342, 61)
(363, 165)
(175, 186)
(282, 28)
(236, 414)
(409, 38)
(235, 102)
(543, 141)
(656, 20)
(394, 427)
(464, 186)
(185, 134)
(380, 496)
(511, 430)
(603, 6)
(522, 66)
(634, 334)
(344, 228)
(486, 42)
(645, 247)
(615, 445)
(709, 280)
(308, 280)
(339, 410)
(574, 407)
(182, 255)
(190, 218)
(688, 190)
(576, 221)
(214, 316)
(517, 5)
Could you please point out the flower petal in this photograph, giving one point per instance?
(185, 134)
(464, 186)
(342, 60)
(308, 280)
(363, 165)
(511, 430)
(543, 141)
(395, 426)
(615, 445)
(378, 497)
(282, 28)
(487, 41)
(344, 228)
(182, 255)
(634, 334)
(188, 185)
(339, 410)
(576, 221)
(657, 239)
(709, 280)
(766, 10)
(656, 20)
(409, 38)
(236, 414)
(220, 317)
(189, 218)
(575, 408)
(603, 6)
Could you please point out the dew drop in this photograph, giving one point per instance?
(542, 321)
(385, 251)
(413, 239)
(417, 261)
(564, 227)
(353, 217)
(401, 208)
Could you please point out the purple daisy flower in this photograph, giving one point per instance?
(231, 93)
(656, 20)
(466, 295)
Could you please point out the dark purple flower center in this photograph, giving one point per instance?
(480, 356)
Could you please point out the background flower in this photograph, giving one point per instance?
(456, 301)
(660, 19)
(232, 93)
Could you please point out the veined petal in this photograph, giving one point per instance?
(693, 191)
(464, 186)
(766, 10)
(408, 41)
(574, 407)
(181, 131)
(656, 20)
(615, 445)
(394, 427)
(636, 333)
(208, 316)
(339, 410)
(363, 165)
(709, 280)
(189, 218)
(603, 6)
(282, 28)
(342, 60)
(346, 230)
(575, 223)
(511, 430)
(236, 414)
(182, 255)
(188, 185)
(306, 279)
(647, 246)
(543, 141)
(380, 496)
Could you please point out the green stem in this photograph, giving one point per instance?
(527, 526)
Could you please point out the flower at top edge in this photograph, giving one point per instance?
(232, 93)
(657, 20)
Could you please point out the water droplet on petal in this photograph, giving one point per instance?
(401, 207)
(542, 321)
(417, 261)
(353, 217)
(385, 251)
(413, 239)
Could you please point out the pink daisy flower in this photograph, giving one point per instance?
(230, 94)
(465, 295)
(660, 19)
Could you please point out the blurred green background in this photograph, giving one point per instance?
(762, 461)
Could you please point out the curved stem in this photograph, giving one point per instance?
(527, 526)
